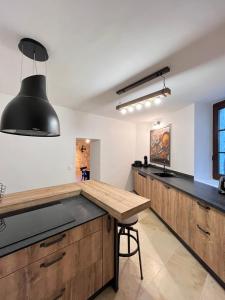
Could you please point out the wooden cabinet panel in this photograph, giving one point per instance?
(108, 249)
(169, 205)
(156, 196)
(88, 277)
(71, 272)
(208, 237)
(15, 286)
(140, 183)
(184, 216)
(13, 262)
(48, 276)
(21, 258)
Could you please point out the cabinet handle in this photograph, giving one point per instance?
(203, 206)
(48, 264)
(109, 223)
(47, 244)
(204, 231)
(60, 294)
(142, 175)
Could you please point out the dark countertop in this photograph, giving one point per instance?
(204, 192)
(76, 211)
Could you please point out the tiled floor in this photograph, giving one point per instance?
(170, 271)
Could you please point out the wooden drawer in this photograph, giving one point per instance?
(202, 214)
(15, 286)
(24, 257)
(208, 237)
(48, 277)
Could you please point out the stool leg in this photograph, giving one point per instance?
(139, 254)
(128, 240)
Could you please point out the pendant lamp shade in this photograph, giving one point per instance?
(30, 112)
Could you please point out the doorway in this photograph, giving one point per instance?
(87, 158)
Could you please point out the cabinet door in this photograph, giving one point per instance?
(183, 223)
(169, 205)
(208, 237)
(149, 187)
(88, 277)
(108, 249)
(14, 286)
(156, 196)
(48, 277)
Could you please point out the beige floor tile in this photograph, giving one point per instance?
(183, 275)
(211, 290)
(170, 271)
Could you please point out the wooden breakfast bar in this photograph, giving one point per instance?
(61, 242)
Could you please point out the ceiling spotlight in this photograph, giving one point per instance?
(123, 111)
(130, 109)
(157, 101)
(139, 106)
(148, 104)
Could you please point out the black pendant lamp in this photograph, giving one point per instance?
(30, 113)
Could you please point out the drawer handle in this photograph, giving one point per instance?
(47, 244)
(142, 175)
(48, 264)
(203, 206)
(204, 231)
(60, 294)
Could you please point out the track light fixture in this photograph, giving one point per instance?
(147, 100)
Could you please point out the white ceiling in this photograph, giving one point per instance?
(99, 46)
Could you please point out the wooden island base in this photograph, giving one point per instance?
(77, 263)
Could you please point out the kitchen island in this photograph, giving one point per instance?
(61, 242)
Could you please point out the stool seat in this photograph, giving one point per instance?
(129, 221)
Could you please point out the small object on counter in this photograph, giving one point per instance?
(221, 187)
(137, 163)
(2, 190)
(145, 165)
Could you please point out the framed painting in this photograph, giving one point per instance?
(160, 140)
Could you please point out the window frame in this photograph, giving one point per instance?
(216, 108)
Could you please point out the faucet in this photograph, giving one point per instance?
(164, 166)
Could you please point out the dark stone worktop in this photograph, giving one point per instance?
(76, 210)
(204, 192)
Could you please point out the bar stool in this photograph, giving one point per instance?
(126, 229)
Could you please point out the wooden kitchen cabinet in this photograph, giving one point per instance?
(184, 216)
(169, 205)
(73, 272)
(156, 196)
(108, 249)
(200, 226)
(140, 183)
(208, 236)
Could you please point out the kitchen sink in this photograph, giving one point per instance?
(165, 174)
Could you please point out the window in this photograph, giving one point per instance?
(218, 139)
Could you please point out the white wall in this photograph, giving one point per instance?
(182, 139)
(29, 162)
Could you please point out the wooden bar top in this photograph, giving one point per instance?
(117, 202)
